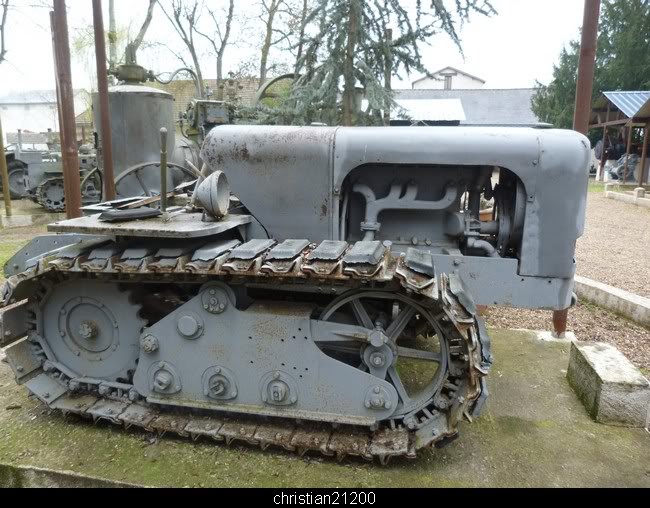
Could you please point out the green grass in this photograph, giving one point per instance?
(12, 240)
(7, 250)
(596, 186)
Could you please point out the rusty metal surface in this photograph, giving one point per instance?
(65, 94)
(104, 113)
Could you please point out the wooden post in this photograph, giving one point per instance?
(56, 84)
(70, 150)
(630, 133)
(586, 66)
(4, 173)
(603, 156)
(644, 153)
(104, 109)
(584, 90)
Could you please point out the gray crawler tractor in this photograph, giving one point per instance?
(317, 292)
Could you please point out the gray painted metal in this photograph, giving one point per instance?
(329, 251)
(386, 210)
(306, 170)
(420, 261)
(633, 104)
(45, 245)
(13, 324)
(290, 249)
(91, 328)
(137, 115)
(178, 226)
(252, 249)
(215, 250)
(365, 253)
(273, 370)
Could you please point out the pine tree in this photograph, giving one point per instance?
(350, 49)
(622, 62)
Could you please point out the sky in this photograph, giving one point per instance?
(514, 49)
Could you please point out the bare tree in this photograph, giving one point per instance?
(112, 34)
(184, 16)
(271, 10)
(4, 14)
(220, 40)
(285, 24)
(302, 20)
(137, 42)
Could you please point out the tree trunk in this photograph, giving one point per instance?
(112, 34)
(301, 37)
(220, 67)
(348, 67)
(388, 74)
(268, 39)
(199, 73)
(135, 45)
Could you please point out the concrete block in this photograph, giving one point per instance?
(639, 193)
(624, 303)
(631, 199)
(613, 391)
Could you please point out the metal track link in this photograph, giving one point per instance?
(304, 438)
(331, 266)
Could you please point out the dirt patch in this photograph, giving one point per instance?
(588, 322)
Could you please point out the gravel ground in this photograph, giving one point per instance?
(615, 247)
(588, 322)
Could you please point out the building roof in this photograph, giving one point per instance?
(453, 69)
(483, 106)
(632, 104)
(433, 110)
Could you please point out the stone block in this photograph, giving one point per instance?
(639, 193)
(613, 391)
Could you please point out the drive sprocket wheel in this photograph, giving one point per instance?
(51, 195)
(17, 186)
(91, 328)
(412, 350)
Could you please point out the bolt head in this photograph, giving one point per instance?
(150, 344)
(188, 326)
(163, 380)
(88, 330)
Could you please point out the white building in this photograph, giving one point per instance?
(449, 78)
(36, 111)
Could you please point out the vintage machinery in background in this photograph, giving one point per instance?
(135, 109)
(38, 175)
(330, 307)
(16, 172)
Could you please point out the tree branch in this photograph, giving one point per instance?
(145, 26)
(4, 5)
